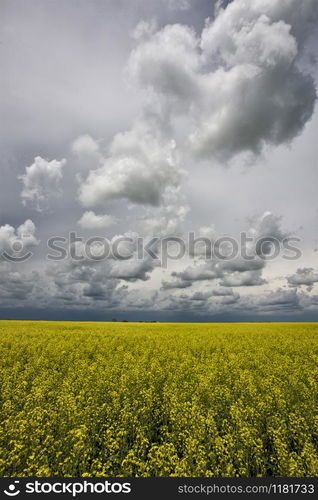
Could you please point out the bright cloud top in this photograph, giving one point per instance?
(41, 181)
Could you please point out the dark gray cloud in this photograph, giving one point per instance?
(16, 287)
(282, 300)
(304, 277)
(176, 284)
(245, 268)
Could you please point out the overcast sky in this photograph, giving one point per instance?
(159, 118)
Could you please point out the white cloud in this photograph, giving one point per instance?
(232, 89)
(243, 90)
(90, 220)
(167, 219)
(245, 278)
(132, 269)
(17, 241)
(41, 181)
(168, 62)
(142, 166)
(84, 145)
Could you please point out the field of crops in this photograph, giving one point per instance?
(123, 399)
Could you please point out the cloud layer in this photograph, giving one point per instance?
(179, 125)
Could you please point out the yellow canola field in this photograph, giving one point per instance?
(130, 399)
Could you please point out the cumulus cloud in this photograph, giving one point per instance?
(90, 220)
(221, 291)
(97, 284)
(166, 220)
(243, 66)
(84, 145)
(41, 181)
(201, 272)
(83, 283)
(228, 276)
(88, 281)
(132, 270)
(202, 246)
(275, 302)
(283, 300)
(141, 167)
(142, 300)
(17, 241)
(306, 276)
(245, 267)
(86, 155)
(233, 88)
(245, 278)
(216, 300)
(16, 286)
(308, 302)
(267, 227)
(92, 283)
(176, 284)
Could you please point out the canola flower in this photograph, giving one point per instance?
(124, 399)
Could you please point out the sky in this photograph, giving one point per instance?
(159, 160)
